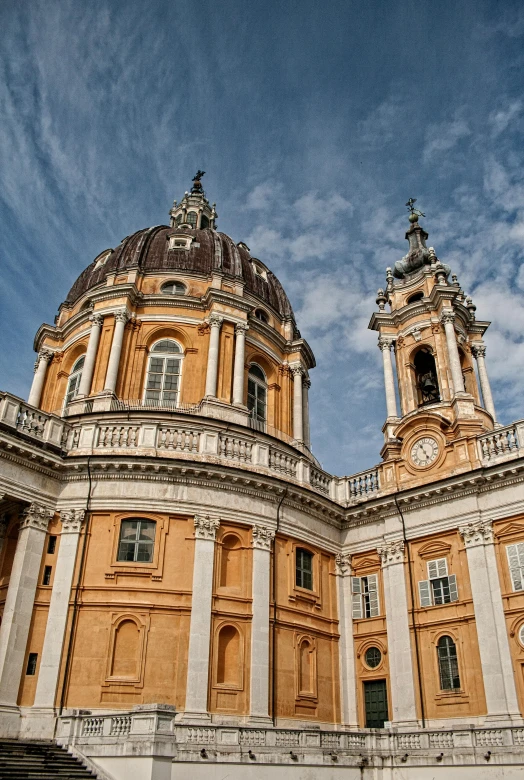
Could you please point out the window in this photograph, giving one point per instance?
(75, 376)
(178, 220)
(304, 569)
(31, 664)
(51, 545)
(372, 657)
(365, 596)
(448, 664)
(204, 222)
(261, 315)
(415, 297)
(257, 393)
(440, 587)
(515, 553)
(259, 270)
(46, 579)
(426, 377)
(163, 375)
(137, 539)
(191, 218)
(173, 288)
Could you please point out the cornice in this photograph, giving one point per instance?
(213, 295)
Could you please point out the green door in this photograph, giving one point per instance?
(376, 701)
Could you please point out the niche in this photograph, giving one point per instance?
(126, 651)
(305, 663)
(228, 657)
(231, 563)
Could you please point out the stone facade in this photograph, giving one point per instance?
(185, 590)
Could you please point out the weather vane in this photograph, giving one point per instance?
(411, 206)
(198, 175)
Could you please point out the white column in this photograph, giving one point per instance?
(259, 706)
(298, 419)
(97, 321)
(200, 626)
(35, 394)
(479, 352)
(492, 632)
(348, 686)
(448, 318)
(58, 608)
(238, 367)
(385, 345)
(306, 384)
(121, 317)
(402, 686)
(215, 323)
(19, 602)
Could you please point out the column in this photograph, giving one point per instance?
(18, 609)
(238, 367)
(402, 706)
(492, 632)
(121, 317)
(215, 323)
(261, 541)
(72, 520)
(348, 687)
(97, 320)
(448, 318)
(200, 626)
(298, 419)
(35, 394)
(479, 352)
(306, 384)
(385, 344)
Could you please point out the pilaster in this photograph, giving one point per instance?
(261, 541)
(348, 693)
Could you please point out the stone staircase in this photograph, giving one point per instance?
(27, 760)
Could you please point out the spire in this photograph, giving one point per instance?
(194, 212)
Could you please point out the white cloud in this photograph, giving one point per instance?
(501, 119)
(442, 137)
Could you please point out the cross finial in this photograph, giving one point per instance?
(411, 206)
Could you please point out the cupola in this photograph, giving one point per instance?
(194, 212)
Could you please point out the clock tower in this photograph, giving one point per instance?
(430, 339)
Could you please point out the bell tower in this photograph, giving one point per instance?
(431, 334)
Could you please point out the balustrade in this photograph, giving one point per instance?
(320, 480)
(498, 442)
(364, 484)
(178, 439)
(235, 448)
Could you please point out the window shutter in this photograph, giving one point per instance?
(357, 598)
(515, 570)
(437, 568)
(373, 595)
(453, 589)
(424, 592)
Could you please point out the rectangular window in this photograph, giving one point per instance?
(31, 664)
(304, 569)
(515, 553)
(365, 596)
(137, 539)
(51, 545)
(440, 587)
(46, 579)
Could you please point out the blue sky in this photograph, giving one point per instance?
(314, 121)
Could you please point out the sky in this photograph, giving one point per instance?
(314, 122)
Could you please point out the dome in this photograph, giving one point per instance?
(151, 250)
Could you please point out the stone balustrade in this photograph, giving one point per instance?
(147, 727)
(501, 443)
(18, 416)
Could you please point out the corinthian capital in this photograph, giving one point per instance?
(477, 532)
(72, 520)
(385, 342)
(447, 316)
(391, 552)
(241, 327)
(206, 527)
(297, 370)
(478, 349)
(342, 564)
(262, 537)
(97, 320)
(46, 355)
(36, 516)
(215, 320)
(121, 316)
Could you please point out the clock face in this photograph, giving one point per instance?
(424, 451)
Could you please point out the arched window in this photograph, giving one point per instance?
(204, 222)
(191, 218)
(448, 664)
(173, 288)
(137, 540)
(228, 666)
(415, 297)
(426, 377)
(163, 373)
(74, 379)
(257, 393)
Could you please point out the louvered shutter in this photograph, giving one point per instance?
(424, 593)
(356, 589)
(515, 554)
(437, 568)
(453, 589)
(373, 595)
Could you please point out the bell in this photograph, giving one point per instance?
(428, 384)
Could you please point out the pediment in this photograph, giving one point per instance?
(366, 563)
(434, 549)
(511, 529)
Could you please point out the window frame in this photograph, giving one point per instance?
(164, 356)
(363, 600)
(75, 374)
(519, 553)
(440, 588)
(182, 289)
(137, 541)
(259, 385)
(453, 665)
(301, 570)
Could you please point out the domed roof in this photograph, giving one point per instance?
(149, 250)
